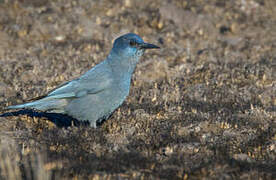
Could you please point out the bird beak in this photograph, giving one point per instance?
(148, 46)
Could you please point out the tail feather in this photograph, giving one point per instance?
(22, 106)
(44, 104)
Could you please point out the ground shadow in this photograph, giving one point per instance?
(60, 120)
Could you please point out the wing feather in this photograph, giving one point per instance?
(92, 82)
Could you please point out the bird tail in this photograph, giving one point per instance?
(35, 105)
(44, 104)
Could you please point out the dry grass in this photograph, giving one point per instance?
(202, 107)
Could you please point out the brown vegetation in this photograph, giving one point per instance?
(203, 106)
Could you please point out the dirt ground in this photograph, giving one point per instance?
(201, 107)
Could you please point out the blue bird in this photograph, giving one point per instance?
(101, 90)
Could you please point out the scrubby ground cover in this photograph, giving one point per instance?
(203, 106)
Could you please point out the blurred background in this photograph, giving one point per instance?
(203, 106)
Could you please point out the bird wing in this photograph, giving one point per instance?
(92, 82)
(76, 88)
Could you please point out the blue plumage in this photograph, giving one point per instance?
(102, 89)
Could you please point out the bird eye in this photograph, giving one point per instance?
(132, 43)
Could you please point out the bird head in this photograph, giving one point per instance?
(130, 45)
